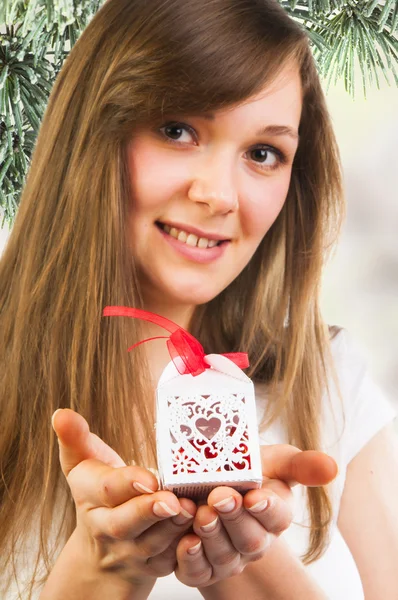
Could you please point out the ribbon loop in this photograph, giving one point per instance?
(185, 350)
(183, 345)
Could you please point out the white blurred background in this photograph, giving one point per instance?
(360, 284)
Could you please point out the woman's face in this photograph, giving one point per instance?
(207, 190)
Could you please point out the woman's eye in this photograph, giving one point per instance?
(172, 132)
(266, 158)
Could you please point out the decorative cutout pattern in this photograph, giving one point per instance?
(208, 433)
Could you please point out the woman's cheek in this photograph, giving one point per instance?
(264, 206)
(154, 189)
(155, 177)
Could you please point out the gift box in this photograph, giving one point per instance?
(206, 430)
(206, 421)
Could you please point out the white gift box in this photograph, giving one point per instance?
(206, 430)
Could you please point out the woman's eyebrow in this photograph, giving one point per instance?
(268, 129)
(279, 130)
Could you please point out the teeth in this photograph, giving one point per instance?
(182, 236)
(189, 238)
(192, 240)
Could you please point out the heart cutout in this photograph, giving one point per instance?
(208, 427)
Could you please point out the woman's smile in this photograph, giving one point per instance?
(201, 250)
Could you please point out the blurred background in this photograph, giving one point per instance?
(360, 283)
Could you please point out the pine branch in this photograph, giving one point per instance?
(354, 32)
(33, 49)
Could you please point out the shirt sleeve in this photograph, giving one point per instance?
(367, 407)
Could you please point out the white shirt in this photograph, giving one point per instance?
(366, 411)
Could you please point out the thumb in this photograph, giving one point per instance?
(287, 463)
(77, 443)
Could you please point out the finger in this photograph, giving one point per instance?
(245, 533)
(129, 520)
(188, 507)
(274, 486)
(165, 562)
(77, 443)
(223, 556)
(271, 511)
(95, 484)
(193, 568)
(309, 467)
(158, 538)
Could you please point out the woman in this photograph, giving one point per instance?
(173, 124)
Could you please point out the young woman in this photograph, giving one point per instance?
(186, 165)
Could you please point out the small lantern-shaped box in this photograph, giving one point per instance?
(206, 430)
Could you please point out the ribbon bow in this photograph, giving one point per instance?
(185, 351)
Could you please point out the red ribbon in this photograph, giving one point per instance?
(185, 351)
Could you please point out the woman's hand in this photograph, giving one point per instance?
(232, 530)
(124, 529)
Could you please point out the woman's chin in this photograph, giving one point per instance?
(189, 295)
(192, 299)
(170, 290)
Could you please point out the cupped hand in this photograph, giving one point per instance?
(230, 530)
(128, 526)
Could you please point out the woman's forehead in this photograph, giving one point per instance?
(279, 103)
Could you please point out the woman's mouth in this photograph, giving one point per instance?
(190, 246)
(190, 239)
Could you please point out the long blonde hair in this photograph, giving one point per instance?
(68, 256)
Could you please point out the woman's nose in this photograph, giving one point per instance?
(216, 189)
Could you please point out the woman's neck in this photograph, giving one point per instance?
(179, 314)
(157, 352)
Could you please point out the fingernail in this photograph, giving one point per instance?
(262, 505)
(183, 517)
(161, 509)
(226, 505)
(194, 549)
(142, 488)
(210, 526)
(52, 418)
